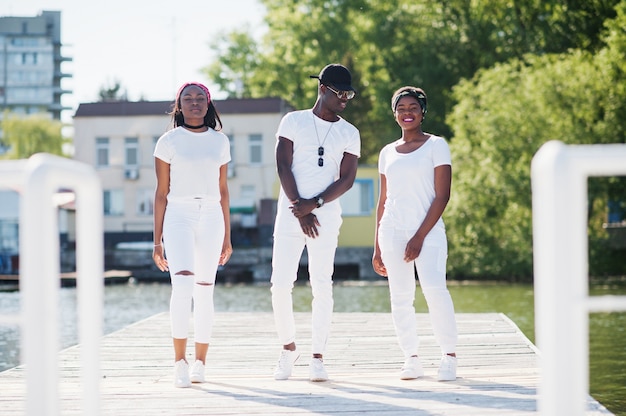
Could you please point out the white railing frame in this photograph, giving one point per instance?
(38, 179)
(559, 175)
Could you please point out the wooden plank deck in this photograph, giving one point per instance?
(498, 373)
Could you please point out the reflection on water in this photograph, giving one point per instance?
(126, 304)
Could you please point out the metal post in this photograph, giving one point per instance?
(559, 176)
(38, 179)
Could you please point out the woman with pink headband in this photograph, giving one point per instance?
(191, 220)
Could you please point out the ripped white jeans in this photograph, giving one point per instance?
(193, 235)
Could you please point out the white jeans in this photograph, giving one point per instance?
(289, 242)
(193, 235)
(431, 270)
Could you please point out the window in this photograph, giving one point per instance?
(28, 42)
(248, 192)
(131, 147)
(113, 202)
(255, 142)
(155, 139)
(359, 200)
(617, 212)
(145, 204)
(9, 236)
(102, 152)
(28, 58)
(231, 164)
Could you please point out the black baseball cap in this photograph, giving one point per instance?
(337, 76)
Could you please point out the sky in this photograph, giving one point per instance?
(149, 46)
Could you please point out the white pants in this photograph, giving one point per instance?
(431, 270)
(289, 242)
(193, 235)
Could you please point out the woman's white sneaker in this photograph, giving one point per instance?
(197, 372)
(181, 374)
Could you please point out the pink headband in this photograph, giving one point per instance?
(197, 84)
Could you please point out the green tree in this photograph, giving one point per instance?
(432, 44)
(502, 77)
(113, 92)
(25, 136)
(504, 114)
(237, 64)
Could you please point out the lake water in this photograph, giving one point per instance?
(129, 303)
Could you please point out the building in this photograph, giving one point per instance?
(30, 64)
(9, 230)
(30, 83)
(118, 139)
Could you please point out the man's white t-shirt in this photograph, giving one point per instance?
(195, 160)
(411, 183)
(336, 138)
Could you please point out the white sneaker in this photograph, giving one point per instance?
(317, 371)
(197, 372)
(447, 368)
(181, 374)
(411, 369)
(285, 364)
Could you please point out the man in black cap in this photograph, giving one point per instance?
(316, 156)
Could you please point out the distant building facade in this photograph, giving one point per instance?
(118, 139)
(30, 64)
(9, 230)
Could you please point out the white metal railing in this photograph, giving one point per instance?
(559, 175)
(38, 179)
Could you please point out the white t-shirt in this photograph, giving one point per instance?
(411, 183)
(195, 160)
(336, 138)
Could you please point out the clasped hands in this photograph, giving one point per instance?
(302, 210)
(302, 207)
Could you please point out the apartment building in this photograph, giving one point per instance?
(118, 139)
(30, 64)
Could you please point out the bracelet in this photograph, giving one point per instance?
(157, 245)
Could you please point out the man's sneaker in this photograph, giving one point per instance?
(285, 364)
(447, 368)
(181, 374)
(197, 372)
(317, 371)
(411, 369)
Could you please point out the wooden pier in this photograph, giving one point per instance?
(11, 282)
(498, 371)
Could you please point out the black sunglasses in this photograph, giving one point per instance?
(342, 95)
